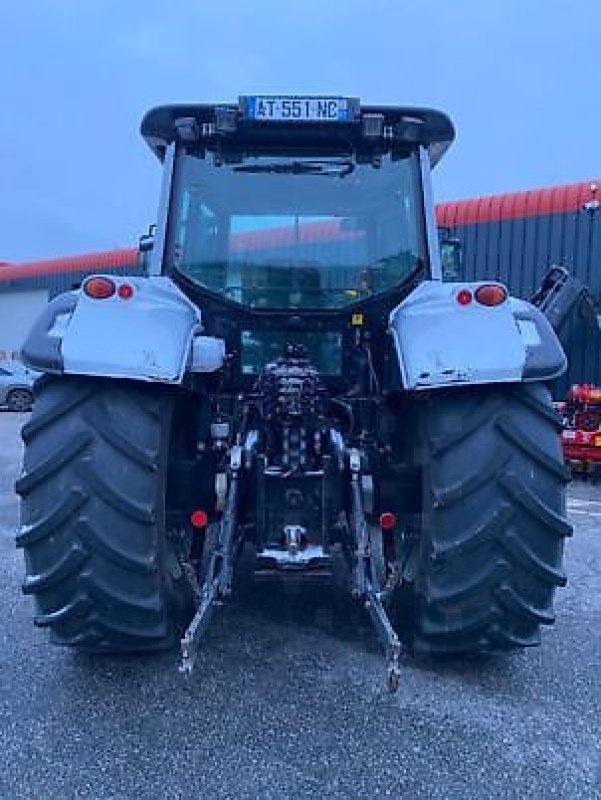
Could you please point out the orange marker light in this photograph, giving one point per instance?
(491, 294)
(99, 288)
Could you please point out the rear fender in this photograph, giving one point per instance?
(152, 336)
(440, 342)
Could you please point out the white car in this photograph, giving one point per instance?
(16, 386)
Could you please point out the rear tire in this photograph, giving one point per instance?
(98, 562)
(491, 542)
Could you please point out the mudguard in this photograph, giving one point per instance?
(440, 342)
(154, 335)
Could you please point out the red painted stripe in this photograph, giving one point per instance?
(551, 200)
(307, 233)
(554, 200)
(94, 262)
(240, 243)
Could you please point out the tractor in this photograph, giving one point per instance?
(293, 379)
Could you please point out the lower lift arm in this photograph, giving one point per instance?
(366, 584)
(217, 582)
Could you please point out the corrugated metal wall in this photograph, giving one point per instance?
(518, 251)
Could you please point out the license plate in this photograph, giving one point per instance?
(297, 109)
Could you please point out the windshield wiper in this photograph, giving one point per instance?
(338, 169)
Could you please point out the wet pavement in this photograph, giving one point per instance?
(288, 700)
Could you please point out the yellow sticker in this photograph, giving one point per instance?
(357, 319)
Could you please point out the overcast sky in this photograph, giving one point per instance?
(520, 78)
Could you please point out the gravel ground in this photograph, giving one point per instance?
(288, 700)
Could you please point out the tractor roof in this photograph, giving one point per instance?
(233, 124)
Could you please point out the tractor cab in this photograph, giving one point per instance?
(284, 218)
(296, 204)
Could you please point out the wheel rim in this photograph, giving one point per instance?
(19, 400)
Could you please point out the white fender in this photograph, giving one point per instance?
(440, 342)
(149, 336)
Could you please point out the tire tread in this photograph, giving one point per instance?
(488, 585)
(97, 558)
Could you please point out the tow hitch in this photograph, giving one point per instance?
(371, 585)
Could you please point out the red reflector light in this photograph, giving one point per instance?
(491, 294)
(387, 521)
(125, 291)
(464, 297)
(99, 288)
(199, 519)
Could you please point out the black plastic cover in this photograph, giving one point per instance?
(41, 351)
(547, 360)
(410, 126)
